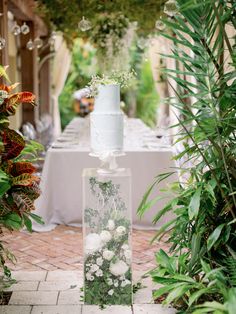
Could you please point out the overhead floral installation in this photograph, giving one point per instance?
(65, 18)
(112, 36)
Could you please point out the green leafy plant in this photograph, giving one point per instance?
(195, 274)
(83, 66)
(19, 186)
(147, 97)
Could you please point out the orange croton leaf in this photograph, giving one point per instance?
(23, 202)
(10, 104)
(13, 144)
(26, 97)
(25, 179)
(8, 88)
(19, 168)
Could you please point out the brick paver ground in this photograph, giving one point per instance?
(62, 249)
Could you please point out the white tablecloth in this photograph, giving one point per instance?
(61, 199)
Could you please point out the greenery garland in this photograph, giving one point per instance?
(65, 17)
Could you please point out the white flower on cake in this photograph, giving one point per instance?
(110, 292)
(111, 225)
(107, 255)
(93, 243)
(120, 230)
(118, 268)
(105, 236)
(99, 261)
(99, 273)
(94, 268)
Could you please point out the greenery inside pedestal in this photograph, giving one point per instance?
(107, 264)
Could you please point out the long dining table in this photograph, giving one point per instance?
(61, 183)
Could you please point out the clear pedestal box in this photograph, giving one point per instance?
(107, 236)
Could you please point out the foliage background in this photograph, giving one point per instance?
(198, 274)
(84, 65)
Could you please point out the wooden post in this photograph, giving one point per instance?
(29, 72)
(4, 31)
(44, 80)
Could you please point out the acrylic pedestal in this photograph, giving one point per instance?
(107, 237)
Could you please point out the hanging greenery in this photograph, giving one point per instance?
(65, 17)
(112, 36)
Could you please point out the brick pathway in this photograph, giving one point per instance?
(58, 292)
(49, 274)
(62, 249)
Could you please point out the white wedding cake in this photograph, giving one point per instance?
(107, 121)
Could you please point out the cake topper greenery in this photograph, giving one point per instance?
(124, 79)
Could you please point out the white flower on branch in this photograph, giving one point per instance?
(111, 225)
(105, 236)
(99, 273)
(99, 261)
(110, 292)
(93, 243)
(120, 230)
(89, 277)
(107, 255)
(94, 268)
(118, 268)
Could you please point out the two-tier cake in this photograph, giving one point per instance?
(107, 121)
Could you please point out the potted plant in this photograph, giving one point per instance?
(19, 186)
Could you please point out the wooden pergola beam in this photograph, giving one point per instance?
(25, 11)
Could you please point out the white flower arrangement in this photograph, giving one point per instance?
(124, 79)
(108, 252)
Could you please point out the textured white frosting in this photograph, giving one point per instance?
(107, 121)
(107, 99)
